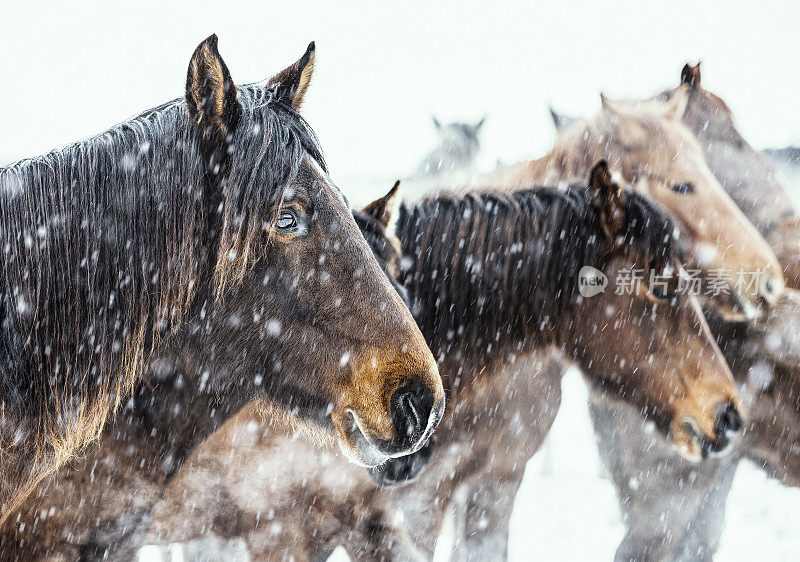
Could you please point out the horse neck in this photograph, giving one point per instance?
(486, 288)
(568, 161)
(763, 199)
(169, 419)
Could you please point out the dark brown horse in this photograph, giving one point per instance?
(492, 281)
(198, 251)
(675, 510)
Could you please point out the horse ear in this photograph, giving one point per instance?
(477, 126)
(690, 75)
(608, 198)
(384, 210)
(291, 83)
(608, 105)
(560, 121)
(210, 92)
(436, 123)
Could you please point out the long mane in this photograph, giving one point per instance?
(108, 242)
(495, 274)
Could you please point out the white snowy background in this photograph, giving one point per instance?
(71, 69)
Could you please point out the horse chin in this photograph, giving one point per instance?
(356, 446)
(402, 470)
(690, 442)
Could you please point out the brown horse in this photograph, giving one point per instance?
(198, 251)
(676, 511)
(650, 147)
(457, 272)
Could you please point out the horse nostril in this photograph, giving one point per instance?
(410, 407)
(728, 420)
(769, 286)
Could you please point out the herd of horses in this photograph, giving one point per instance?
(192, 316)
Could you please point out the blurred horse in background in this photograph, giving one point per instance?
(452, 162)
(164, 274)
(675, 510)
(459, 145)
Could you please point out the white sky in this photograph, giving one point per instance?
(72, 69)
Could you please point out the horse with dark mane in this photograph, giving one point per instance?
(200, 245)
(492, 280)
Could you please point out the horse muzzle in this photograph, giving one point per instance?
(695, 445)
(415, 413)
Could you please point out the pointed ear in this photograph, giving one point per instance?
(291, 83)
(477, 126)
(608, 198)
(690, 75)
(384, 210)
(561, 122)
(675, 106)
(609, 105)
(436, 123)
(210, 92)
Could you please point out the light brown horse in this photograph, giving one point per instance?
(676, 511)
(500, 414)
(653, 150)
(179, 266)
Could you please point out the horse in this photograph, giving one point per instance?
(198, 250)
(491, 281)
(459, 144)
(99, 505)
(674, 172)
(675, 510)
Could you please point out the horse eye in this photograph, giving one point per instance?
(663, 295)
(682, 188)
(287, 221)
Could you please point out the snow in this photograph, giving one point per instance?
(381, 72)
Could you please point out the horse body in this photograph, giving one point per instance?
(186, 248)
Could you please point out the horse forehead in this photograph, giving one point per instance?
(326, 182)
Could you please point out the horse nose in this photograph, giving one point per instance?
(729, 420)
(411, 406)
(769, 289)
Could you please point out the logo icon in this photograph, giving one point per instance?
(591, 281)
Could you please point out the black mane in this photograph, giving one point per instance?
(108, 241)
(498, 272)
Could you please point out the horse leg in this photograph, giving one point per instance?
(660, 493)
(702, 538)
(521, 407)
(483, 507)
